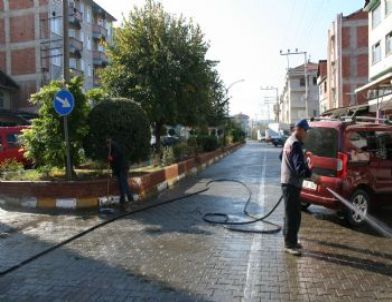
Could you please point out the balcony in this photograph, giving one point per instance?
(75, 47)
(75, 17)
(99, 58)
(75, 67)
(99, 32)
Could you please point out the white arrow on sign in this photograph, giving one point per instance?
(64, 102)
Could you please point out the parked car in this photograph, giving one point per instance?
(10, 146)
(355, 160)
(278, 140)
(169, 140)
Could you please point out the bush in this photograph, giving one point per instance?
(168, 157)
(44, 141)
(125, 122)
(193, 146)
(207, 142)
(10, 166)
(181, 151)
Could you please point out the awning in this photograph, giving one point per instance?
(381, 81)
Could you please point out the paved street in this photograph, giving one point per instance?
(170, 254)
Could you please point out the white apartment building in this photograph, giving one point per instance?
(379, 88)
(293, 103)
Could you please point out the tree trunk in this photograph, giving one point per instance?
(158, 128)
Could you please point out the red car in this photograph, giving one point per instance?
(9, 144)
(353, 159)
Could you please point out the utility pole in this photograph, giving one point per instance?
(277, 96)
(296, 52)
(68, 170)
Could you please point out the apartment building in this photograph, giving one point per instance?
(295, 105)
(379, 88)
(347, 60)
(31, 43)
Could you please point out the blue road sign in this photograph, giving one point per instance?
(63, 102)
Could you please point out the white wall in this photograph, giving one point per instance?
(379, 34)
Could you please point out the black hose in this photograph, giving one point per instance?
(235, 225)
(227, 223)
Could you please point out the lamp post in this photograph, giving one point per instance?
(227, 91)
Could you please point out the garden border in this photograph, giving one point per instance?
(78, 194)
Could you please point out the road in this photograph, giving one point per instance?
(170, 254)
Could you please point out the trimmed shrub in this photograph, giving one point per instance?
(124, 121)
(207, 142)
(181, 151)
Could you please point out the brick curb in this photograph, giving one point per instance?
(55, 195)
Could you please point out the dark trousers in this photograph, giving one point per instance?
(122, 179)
(292, 218)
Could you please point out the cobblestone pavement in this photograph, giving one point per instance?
(170, 254)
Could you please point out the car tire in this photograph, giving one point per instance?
(361, 200)
(305, 205)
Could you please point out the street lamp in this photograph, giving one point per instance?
(226, 102)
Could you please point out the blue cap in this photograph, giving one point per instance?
(303, 124)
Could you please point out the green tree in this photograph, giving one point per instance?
(44, 141)
(125, 122)
(159, 61)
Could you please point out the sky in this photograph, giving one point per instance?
(246, 37)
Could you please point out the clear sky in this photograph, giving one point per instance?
(246, 36)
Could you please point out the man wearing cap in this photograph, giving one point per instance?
(293, 170)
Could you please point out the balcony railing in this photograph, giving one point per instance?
(75, 46)
(99, 32)
(75, 17)
(99, 58)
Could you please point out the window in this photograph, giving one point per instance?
(56, 57)
(314, 81)
(314, 112)
(376, 16)
(88, 15)
(1, 99)
(90, 71)
(302, 82)
(56, 26)
(13, 141)
(322, 142)
(325, 86)
(388, 43)
(89, 43)
(388, 7)
(376, 52)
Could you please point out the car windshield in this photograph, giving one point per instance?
(322, 142)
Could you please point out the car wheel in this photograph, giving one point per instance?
(360, 200)
(305, 205)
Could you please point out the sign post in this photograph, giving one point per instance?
(63, 104)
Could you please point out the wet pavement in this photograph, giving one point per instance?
(170, 254)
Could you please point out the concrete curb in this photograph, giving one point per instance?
(46, 197)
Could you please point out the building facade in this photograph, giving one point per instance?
(379, 87)
(31, 43)
(347, 60)
(294, 105)
(323, 86)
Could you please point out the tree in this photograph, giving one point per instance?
(125, 122)
(159, 61)
(44, 142)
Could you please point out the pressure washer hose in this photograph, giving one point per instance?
(230, 225)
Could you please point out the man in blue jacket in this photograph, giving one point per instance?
(293, 171)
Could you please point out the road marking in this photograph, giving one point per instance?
(252, 274)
